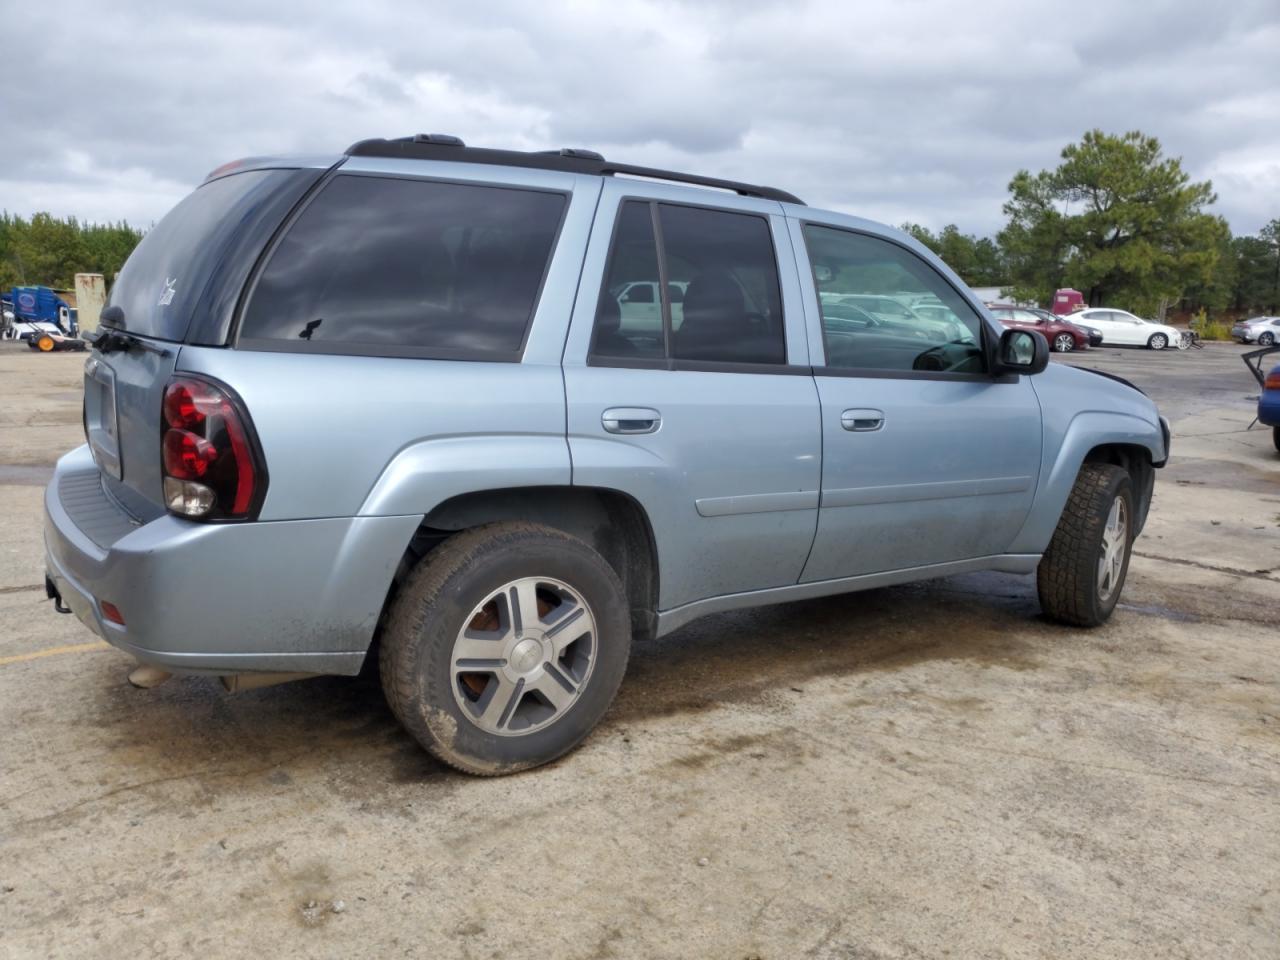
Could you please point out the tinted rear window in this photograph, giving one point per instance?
(162, 283)
(407, 268)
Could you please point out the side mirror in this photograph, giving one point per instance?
(1021, 351)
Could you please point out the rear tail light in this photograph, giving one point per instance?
(213, 467)
(1273, 380)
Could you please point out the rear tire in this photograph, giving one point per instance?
(472, 664)
(1158, 341)
(1082, 573)
(1275, 437)
(45, 344)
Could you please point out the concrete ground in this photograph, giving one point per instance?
(924, 771)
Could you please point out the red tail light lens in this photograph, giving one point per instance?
(186, 455)
(212, 465)
(180, 409)
(1273, 380)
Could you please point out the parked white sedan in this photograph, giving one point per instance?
(1120, 327)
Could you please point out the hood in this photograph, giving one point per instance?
(1082, 389)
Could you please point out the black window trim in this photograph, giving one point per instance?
(335, 348)
(879, 373)
(668, 362)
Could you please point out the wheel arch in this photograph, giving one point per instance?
(613, 523)
(1134, 459)
(1122, 439)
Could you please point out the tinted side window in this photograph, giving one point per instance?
(162, 284)
(722, 299)
(732, 306)
(408, 268)
(942, 333)
(626, 324)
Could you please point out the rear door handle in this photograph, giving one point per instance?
(631, 420)
(862, 420)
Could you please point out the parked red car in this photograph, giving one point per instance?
(1062, 335)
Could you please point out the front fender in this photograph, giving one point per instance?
(1064, 456)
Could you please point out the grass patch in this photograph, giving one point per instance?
(1210, 329)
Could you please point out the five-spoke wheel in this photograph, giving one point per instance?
(505, 646)
(1112, 556)
(523, 656)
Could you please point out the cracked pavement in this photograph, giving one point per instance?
(923, 771)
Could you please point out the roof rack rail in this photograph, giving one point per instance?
(439, 146)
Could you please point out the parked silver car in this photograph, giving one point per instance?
(392, 396)
(1264, 331)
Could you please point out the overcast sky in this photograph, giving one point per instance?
(907, 110)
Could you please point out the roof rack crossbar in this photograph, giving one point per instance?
(569, 160)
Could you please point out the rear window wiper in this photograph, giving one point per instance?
(112, 335)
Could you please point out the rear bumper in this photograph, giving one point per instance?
(289, 596)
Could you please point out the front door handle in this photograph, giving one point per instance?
(860, 421)
(631, 420)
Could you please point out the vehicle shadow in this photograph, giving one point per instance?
(340, 730)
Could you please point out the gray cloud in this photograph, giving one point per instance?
(896, 111)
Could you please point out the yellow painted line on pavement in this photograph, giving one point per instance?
(55, 651)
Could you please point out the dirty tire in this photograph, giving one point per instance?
(433, 606)
(1067, 578)
(1158, 341)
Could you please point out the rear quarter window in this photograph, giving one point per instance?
(164, 284)
(399, 267)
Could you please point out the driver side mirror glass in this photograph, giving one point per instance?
(1022, 351)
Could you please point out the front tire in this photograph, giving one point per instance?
(1064, 343)
(1082, 573)
(1266, 340)
(1158, 341)
(505, 647)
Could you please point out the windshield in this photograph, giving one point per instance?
(167, 273)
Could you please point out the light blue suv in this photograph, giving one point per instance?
(398, 397)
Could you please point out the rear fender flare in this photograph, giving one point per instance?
(423, 475)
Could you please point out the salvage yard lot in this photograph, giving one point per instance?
(927, 770)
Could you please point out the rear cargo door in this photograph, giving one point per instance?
(122, 396)
(176, 285)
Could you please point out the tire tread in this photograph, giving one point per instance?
(421, 591)
(1067, 574)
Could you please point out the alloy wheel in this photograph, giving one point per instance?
(1115, 536)
(524, 656)
(1064, 343)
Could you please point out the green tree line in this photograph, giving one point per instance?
(1126, 226)
(49, 251)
